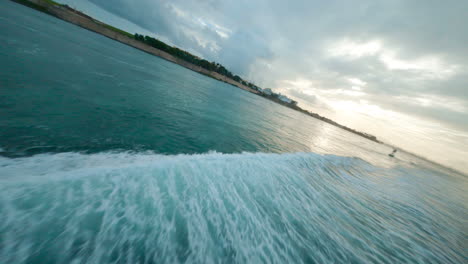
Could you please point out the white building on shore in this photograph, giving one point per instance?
(267, 91)
(284, 99)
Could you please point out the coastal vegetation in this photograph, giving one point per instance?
(123, 32)
(188, 57)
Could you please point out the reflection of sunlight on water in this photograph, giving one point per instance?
(320, 142)
(363, 107)
(431, 139)
(330, 140)
(427, 138)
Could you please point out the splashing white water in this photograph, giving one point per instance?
(211, 208)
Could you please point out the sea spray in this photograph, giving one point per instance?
(212, 208)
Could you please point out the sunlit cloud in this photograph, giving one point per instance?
(435, 101)
(362, 106)
(298, 83)
(221, 31)
(427, 67)
(357, 81)
(200, 40)
(434, 67)
(352, 49)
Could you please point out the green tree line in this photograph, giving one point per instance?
(186, 56)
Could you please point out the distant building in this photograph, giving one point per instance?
(267, 91)
(285, 99)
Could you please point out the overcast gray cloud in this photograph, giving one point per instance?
(371, 56)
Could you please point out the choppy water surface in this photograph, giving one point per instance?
(110, 155)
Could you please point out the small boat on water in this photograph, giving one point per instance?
(393, 153)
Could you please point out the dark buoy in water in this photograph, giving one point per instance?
(393, 153)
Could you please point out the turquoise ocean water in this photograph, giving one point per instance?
(111, 155)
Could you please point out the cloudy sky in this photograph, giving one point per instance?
(397, 69)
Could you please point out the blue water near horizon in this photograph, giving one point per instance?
(111, 155)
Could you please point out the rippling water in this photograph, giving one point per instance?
(110, 155)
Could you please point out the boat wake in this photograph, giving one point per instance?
(230, 208)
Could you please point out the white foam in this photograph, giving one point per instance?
(213, 207)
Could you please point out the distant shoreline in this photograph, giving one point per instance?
(80, 19)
